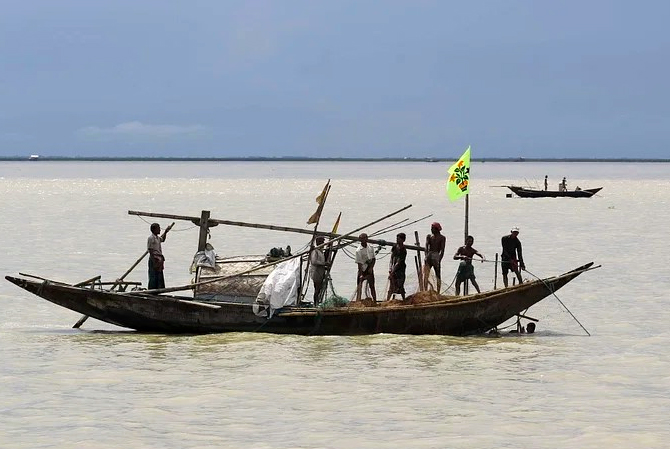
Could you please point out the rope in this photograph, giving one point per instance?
(559, 300)
(172, 230)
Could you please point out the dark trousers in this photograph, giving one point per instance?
(156, 278)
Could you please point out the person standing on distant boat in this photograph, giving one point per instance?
(512, 257)
(564, 185)
(435, 244)
(156, 259)
(546, 182)
(466, 272)
(365, 259)
(397, 267)
(318, 264)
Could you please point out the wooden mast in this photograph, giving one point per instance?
(321, 199)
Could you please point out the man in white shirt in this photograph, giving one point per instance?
(365, 259)
(317, 261)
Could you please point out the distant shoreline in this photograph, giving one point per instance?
(313, 159)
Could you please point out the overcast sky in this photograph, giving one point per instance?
(340, 78)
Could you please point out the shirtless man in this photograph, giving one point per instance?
(466, 272)
(435, 243)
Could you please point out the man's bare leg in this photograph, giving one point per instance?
(426, 275)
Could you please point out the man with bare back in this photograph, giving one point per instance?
(435, 243)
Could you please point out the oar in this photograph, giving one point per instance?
(83, 318)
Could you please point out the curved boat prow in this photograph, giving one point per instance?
(20, 282)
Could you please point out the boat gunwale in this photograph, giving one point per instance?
(293, 311)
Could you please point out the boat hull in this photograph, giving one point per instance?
(182, 315)
(532, 193)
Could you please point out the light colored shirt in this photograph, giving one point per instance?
(317, 261)
(154, 245)
(365, 255)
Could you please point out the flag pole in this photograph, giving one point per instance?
(467, 217)
(467, 210)
(304, 284)
(459, 185)
(467, 213)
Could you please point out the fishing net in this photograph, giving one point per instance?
(332, 299)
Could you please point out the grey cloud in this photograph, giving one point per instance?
(138, 130)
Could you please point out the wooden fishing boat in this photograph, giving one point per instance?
(536, 193)
(149, 312)
(257, 294)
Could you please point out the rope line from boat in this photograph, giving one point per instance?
(559, 300)
(399, 225)
(173, 230)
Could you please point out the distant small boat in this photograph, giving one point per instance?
(535, 193)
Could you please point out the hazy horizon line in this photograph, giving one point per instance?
(37, 158)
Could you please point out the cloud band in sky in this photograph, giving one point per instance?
(138, 130)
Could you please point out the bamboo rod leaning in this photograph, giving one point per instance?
(212, 280)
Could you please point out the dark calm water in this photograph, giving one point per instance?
(105, 387)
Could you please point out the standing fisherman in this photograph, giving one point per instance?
(435, 243)
(511, 256)
(318, 265)
(156, 259)
(465, 269)
(365, 259)
(397, 267)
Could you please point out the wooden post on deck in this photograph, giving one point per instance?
(495, 274)
(419, 269)
(204, 227)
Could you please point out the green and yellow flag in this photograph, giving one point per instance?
(458, 183)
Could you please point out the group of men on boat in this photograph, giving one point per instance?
(562, 186)
(365, 258)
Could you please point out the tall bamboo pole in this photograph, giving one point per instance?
(213, 222)
(304, 283)
(212, 280)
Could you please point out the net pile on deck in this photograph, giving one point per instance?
(244, 285)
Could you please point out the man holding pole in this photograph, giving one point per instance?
(512, 257)
(397, 267)
(365, 259)
(156, 259)
(317, 260)
(435, 244)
